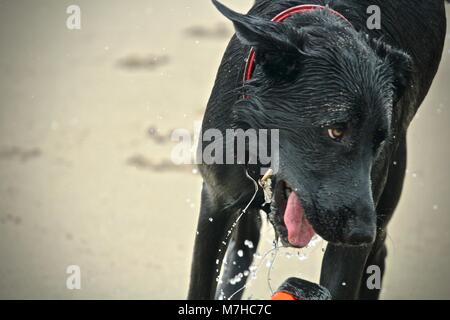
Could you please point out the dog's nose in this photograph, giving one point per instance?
(361, 226)
(360, 236)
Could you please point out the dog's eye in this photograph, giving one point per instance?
(336, 133)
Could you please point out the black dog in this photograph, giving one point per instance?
(342, 97)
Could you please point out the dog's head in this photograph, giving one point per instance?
(330, 90)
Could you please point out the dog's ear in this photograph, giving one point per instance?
(399, 61)
(278, 47)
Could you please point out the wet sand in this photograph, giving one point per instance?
(85, 171)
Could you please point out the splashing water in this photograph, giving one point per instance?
(253, 270)
(244, 211)
(249, 244)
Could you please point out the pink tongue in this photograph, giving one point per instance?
(300, 231)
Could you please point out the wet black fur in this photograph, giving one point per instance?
(315, 71)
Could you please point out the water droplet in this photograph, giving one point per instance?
(240, 253)
(248, 243)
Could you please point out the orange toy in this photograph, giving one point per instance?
(283, 296)
(299, 289)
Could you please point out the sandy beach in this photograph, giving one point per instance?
(85, 172)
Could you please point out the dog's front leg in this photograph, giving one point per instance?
(342, 269)
(239, 256)
(208, 248)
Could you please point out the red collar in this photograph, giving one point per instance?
(250, 65)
